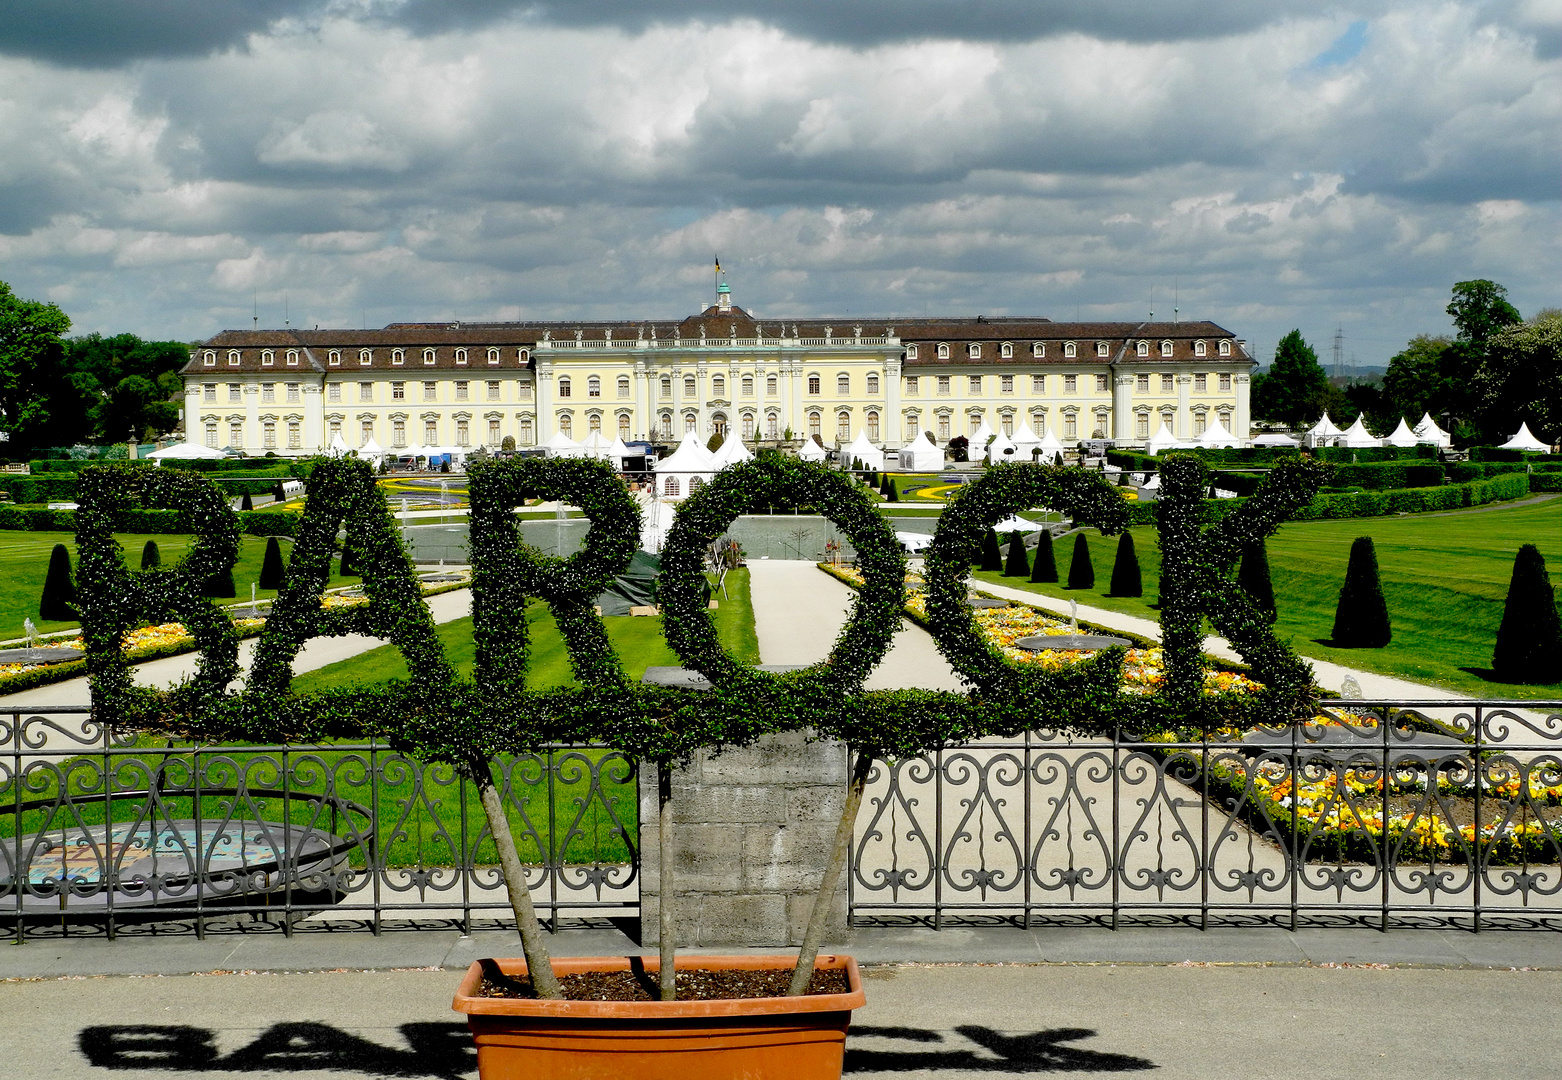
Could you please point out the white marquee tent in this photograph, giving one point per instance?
(1402, 435)
(1216, 435)
(1025, 441)
(920, 455)
(1357, 437)
(676, 474)
(1002, 449)
(371, 451)
(186, 451)
(731, 452)
(1049, 446)
(1427, 431)
(864, 451)
(1323, 433)
(811, 451)
(979, 439)
(338, 447)
(617, 453)
(561, 445)
(1162, 441)
(1274, 440)
(596, 445)
(1524, 441)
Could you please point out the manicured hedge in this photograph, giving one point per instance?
(251, 522)
(1377, 503)
(1496, 453)
(1384, 476)
(55, 487)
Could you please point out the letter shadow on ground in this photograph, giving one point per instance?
(1016, 1054)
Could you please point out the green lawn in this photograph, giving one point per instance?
(24, 563)
(1445, 577)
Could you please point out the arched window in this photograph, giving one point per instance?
(292, 358)
(748, 426)
(233, 358)
(594, 422)
(667, 425)
(1038, 349)
(1225, 348)
(718, 386)
(210, 358)
(813, 385)
(670, 485)
(564, 386)
(334, 358)
(1006, 350)
(493, 356)
(1068, 349)
(1142, 349)
(843, 385)
(772, 426)
(695, 483)
(943, 352)
(365, 357)
(1199, 348)
(594, 387)
(1101, 348)
(428, 357)
(974, 351)
(843, 425)
(623, 425)
(523, 355)
(815, 421)
(397, 356)
(623, 386)
(566, 422)
(911, 352)
(266, 358)
(873, 427)
(691, 422)
(1166, 348)
(747, 385)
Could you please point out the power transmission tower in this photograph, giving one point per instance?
(1339, 348)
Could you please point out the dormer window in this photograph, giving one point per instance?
(974, 351)
(523, 355)
(1038, 349)
(1225, 348)
(1199, 349)
(1006, 350)
(1142, 349)
(233, 358)
(428, 358)
(1166, 348)
(493, 356)
(210, 358)
(911, 352)
(334, 358)
(943, 352)
(292, 358)
(365, 357)
(267, 358)
(1101, 348)
(1069, 350)
(398, 357)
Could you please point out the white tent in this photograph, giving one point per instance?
(731, 452)
(561, 445)
(338, 447)
(1427, 431)
(595, 445)
(1025, 441)
(677, 474)
(864, 451)
(416, 450)
(186, 451)
(1012, 524)
(1524, 441)
(979, 439)
(811, 451)
(1049, 446)
(1402, 435)
(1002, 449)
(1274, 441)
(1162, 441)
(1357, 437)
(1216, 435)
(1323, 433)
(371, 450)
(617, 453)
(920, 455)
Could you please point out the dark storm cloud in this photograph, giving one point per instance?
(106, 33)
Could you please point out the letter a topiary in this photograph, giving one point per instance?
(59, 592)
(1529, 641)
(1361, 616)
(1081, 574)
(1126, 579)
(1045, 567)
(1016, 565)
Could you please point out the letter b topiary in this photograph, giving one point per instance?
(1361, 617)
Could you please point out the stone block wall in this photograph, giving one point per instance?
(754, 828)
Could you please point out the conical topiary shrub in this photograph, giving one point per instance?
(1253, 578)
(347, 568)
(150, 556)
(992, 557)
(59, 592)
(277, 492)
(893, 492)
(1529, 640)
(272, 569)
(247, 503)
(1016, 565)
(220, 585)
(1045, 567)
(1081, 575)
(1126, 579)
(1361, 617)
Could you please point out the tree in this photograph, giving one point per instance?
(1529, 640)
(1296, 388)
(31, 371)
(1045, 566)
(1017, 565)
(1520, 379)
(991, 556)
(958, 448)
(1253, 578)
(1415, 383)
(220, 585)
(1479, 309)
(272, 569)
(1081, 574)
(58, 601)
(507, 443)
(151, 558)
(1126, 579)
(1361, 617)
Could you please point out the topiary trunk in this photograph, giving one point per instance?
(272, 569)
(58, 601)
(1253, 578)
(1017, 565)
(1081, 575)
(1045, 567)
(992, 557)
(1529, 640)
(1126, 579)
(150, 556)
(1361, 617)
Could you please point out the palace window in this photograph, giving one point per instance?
(594, 387)
(493, 389)
(366, 391)
(334, 358)
(295, 435)
(235, 393)
(1225, 348)
(1006, 384)
(974, 351)
(428, 357)
(1038, 384)
(210, 358)
(1071, 384)
(623, 387)
(843, 425)
(1006, 421)
(1070, 426)
(1166, 384)
(911, 386)
(398, 432)
(747, 386)
(623, 425)
(267, 359)
(398, 391)
(209, 393)
(1200, 423)
(770, 386)
(690, 423)
(1166, 348)
(667, 386)
(1225, 382)
(772, 426)
(913, 426)
(843, 385)
(943, 386)
(814, 385)
(667, 425)
(398, 357)
(1142, 349)
(594, 422)
(1142, 383)
(211, 436)
(564, 387)
(1142, 425)
(1199, 348)
(1038, 349)
(566, 423)
(366, 432)
(430, 391)
(718, 386)
(463, 433)
(292, 358)
(873, 427)
(973, 423)
(292, 393)
(430, 432)
(976, 384)
(1102, 348)
(943, 427)
(233, 358)
(463, 390)
(268, 392)
(526, 431)
(872, 382)
(688, 387)
(493, 356)
(365, 357)
(1101, 384)
(235, 433)
(494, 438)
(268, 434)
(911, 352)
(1201, 383)
(748, 426)
(1006, 350)
(814, 423)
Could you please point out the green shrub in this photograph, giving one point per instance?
(1529, 640)
(57, 604)
(1081, 575)
(151, 558)
(1016, 565)
(1361, 617)
(272, 569)
(1044, 568)
(220, 585)
(991, 557)
(1126, 579)
(1253, 578)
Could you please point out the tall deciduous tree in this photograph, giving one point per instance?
(1295, 389)
(1520, 379)
(1416, 382)
(31, 371)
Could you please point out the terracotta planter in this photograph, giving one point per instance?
(787, 1038)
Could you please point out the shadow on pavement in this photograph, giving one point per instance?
(1037, 1052)
(440, 1050)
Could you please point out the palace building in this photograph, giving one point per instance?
(723, 370)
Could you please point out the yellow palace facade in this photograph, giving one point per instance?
(723, 370)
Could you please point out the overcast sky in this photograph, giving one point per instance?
(165, 165)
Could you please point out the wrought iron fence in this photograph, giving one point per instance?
(106, 833)
(1385, 814)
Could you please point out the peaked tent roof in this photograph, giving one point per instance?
(690, 457)
(1428, 431)
(1025, 438)
(1049, 444)
(1402, 435)
(595, 445)
(1274, 440)
(1162, 440)
(811, 451)
(1003, 448)
(1216, 435)
(1358, 437)
(561, 445)
(338, 447)
(1524, 441)
(371, 449)
(861, 449)
(186, 451)
(980, 436)
(618, 451)
(1324, 428)
(920, 454)
(731, 452)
